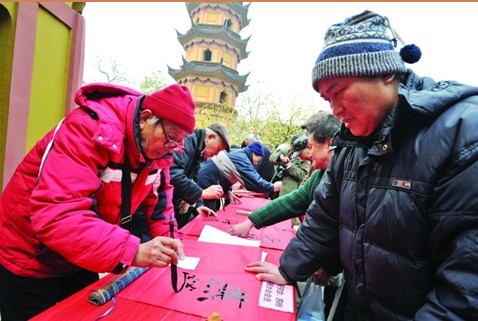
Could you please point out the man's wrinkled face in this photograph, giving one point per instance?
(160, 139)
(213, 146)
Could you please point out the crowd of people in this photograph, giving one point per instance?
(383, 186)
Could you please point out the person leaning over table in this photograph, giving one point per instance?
(320, 128)
(60, 212)
(201, 145)
(226, 169)
(397, 208)
(265, 168)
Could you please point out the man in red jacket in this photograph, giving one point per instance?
(64, 214)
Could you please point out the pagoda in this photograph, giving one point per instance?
(213, 50)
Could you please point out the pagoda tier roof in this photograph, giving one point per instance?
(211, 70)
(236, 7)
(201, 31)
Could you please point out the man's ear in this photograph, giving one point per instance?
(388, 78)
(144, 116)
(328, 140)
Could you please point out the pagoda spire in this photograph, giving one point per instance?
(213, 50)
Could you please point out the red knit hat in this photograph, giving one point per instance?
(173, 103)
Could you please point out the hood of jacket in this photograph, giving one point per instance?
(431, 98)
(94, 97)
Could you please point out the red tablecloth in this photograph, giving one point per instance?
(219, 283)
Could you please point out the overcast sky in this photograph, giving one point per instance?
(286, 38)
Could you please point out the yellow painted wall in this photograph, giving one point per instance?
(210, 93)
(230, 98)
(190, 54)
(211, 18)
(50, 76)
(216, 53)
(200, 93)
(8, 13)
(203, 93)
(216, 18)
(229, 60)
(197, 53)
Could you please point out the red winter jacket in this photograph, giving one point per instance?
(69, 216)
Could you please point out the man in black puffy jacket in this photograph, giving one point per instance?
(398, 207)
(188, 196)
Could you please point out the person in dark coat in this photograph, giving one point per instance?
(201, 145)
(397, 210)
(227, 169)
(265, 168)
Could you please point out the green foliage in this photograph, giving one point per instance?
(208, 113)
(270, 121)
(155, 81)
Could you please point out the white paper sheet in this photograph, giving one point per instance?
(277, 297)
(211, 234)
(189, 263)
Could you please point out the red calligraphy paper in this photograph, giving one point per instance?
(219, 283)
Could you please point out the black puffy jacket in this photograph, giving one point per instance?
(185, 169)
(399, 212)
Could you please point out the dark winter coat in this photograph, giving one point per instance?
(399, 211)
(186, 167)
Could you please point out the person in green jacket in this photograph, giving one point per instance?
(320, 128)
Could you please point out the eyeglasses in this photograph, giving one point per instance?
(170, 144)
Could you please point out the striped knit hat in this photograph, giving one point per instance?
(360, 46)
